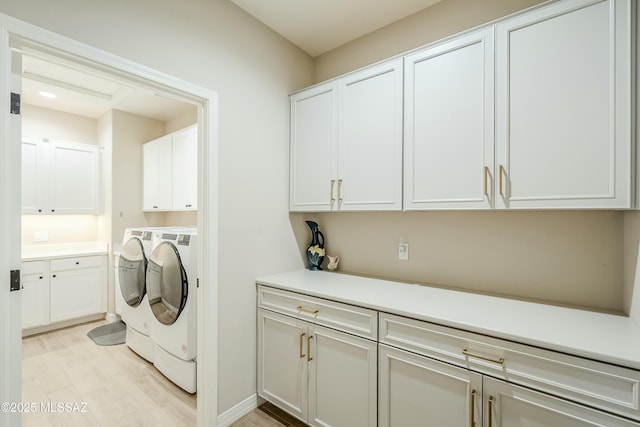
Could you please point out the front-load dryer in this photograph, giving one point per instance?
(171, 291)
(131, 296)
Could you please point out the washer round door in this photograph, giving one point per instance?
(132, 268)
(167, 284)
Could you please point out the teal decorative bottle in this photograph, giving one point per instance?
(315, 250)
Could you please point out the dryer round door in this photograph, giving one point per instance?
(167, 284)
(132, 267)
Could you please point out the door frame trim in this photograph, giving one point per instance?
(19, 35)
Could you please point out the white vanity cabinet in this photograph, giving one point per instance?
(170, 172)
(449, 123)
(35, 293)
(346, 142)
(564, 106)
(317, 359)
(60, 177)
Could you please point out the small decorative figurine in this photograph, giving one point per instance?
(333, 262)
(315, 250)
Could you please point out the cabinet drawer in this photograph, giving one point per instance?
(354, 320)
(33, 267)
(76, 262)
(597, 384)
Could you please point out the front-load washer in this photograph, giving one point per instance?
(171, 291)
(135, 312)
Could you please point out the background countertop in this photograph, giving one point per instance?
(61, 250)
(604, 337)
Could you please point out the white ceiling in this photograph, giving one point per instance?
(317, 26)
(89, 95)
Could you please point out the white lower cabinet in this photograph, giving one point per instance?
(35, 294)
(323, 376)
(416, 390)
(62, 289)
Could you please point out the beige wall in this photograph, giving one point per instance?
(216, 45)
(431, 24)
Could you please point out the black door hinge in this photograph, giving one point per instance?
(15, 281)
(15, 103)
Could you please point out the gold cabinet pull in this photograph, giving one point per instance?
(486, 181)
(339, 191)
(333, 199)
(301, 336)
(501, 183)
(308, 310)
(499, 361)
(309, 358)
(490, 408)
(472, 409)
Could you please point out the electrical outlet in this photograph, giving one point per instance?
(40, 236)
(403, 251)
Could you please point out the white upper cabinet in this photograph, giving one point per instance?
(314, 148)
(370, 141)
(346, 143)
(60, 177)
(158, 174)
(185, 169)
(170, 172)
(563, 107)
(448, 117)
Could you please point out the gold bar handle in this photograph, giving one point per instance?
(333, 199)
(340, 191)
(501, 183)
(486, 181)
(308, 310)
(499, 361)
(490, 417)
(472, 409)
(309, 358)
(301, 336)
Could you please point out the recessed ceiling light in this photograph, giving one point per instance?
(47, 94)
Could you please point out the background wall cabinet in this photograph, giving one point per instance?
(63, 289)
(448, 116)
(563, 106)
(170, 172)
(60, 177)
(321, 375)
(346, 143)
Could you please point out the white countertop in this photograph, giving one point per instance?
(604, 337)
(40, 251)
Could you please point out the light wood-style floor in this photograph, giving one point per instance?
(108, 386)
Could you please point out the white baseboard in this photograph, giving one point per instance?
(240, 410)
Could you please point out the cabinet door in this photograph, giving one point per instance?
(282, 362)
(417, 390)
(76, 293)
(35, 300)
(370, 139)
(74, 178)
(185, 169)
(342, 379)
(35, 176)
(157, 174)
(449, 138)
(563, 107)
(508, 405)
(314, 149)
